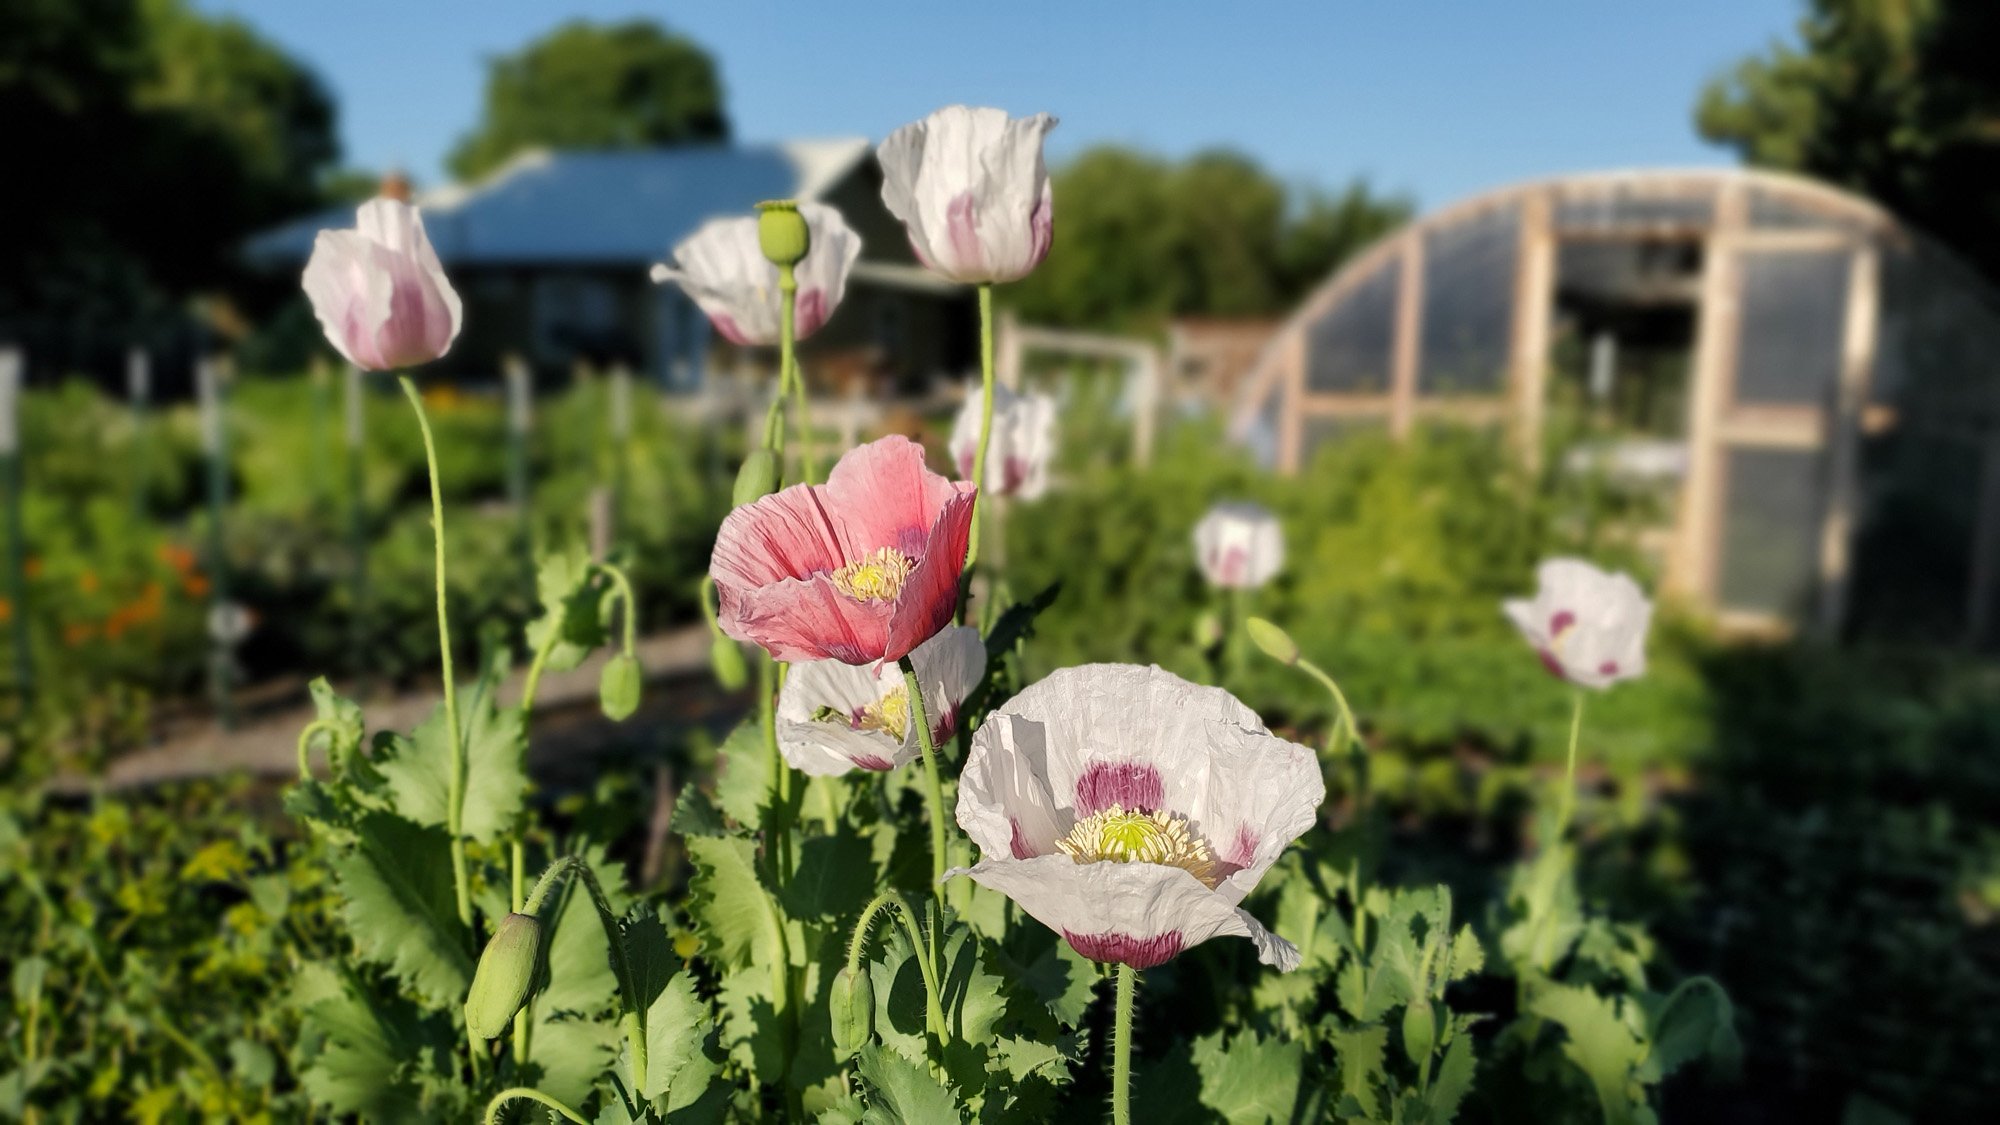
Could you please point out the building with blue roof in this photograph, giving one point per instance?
(550, 254)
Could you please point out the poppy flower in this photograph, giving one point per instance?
(1131, 811)
(835, 717)
(1588, 625)
(723, 268)
(972, 191)
(861, 569)
(1239, 545)
(379, 292)
(1018, 448)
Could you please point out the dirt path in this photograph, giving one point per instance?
(268, 746)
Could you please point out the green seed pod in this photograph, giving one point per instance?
(505, 976)
(1276, 643)
(851, 1002)
(757, 478)
(1207, 630)
(618, 687)
(1419, 1031)
(782, 233)
(726, 658)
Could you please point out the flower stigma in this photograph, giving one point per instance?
(875, 577)
(1121, 835)
(889, 714)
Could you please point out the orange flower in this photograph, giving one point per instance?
(32, 567)
(75, 633)
(6, 610)
(195, 586)
(87, 582)
(177, 556)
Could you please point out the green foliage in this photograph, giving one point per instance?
(1894, 101)
(591, 86)
(1141, 239)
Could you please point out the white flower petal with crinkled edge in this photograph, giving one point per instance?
(949, 666)
(972, 191)
(379, 292)
(1162, 909)
(1239, 545)
(1088, 738)
(1019, 445)
(1588, 625)
(723, 268)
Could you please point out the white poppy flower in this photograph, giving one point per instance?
(1018, 447)
(1239, 545)
(1131, 811)
(835, 717)
(1588, 626)
(723, 268)
(379, 292)
(973, 192)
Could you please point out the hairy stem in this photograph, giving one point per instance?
(985, 413)
(934, 786)
(529, 1093)
(1121, 1048)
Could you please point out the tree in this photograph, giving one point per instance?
(1896, 99)
(1139, 239)
(145, 141)
(586, 85)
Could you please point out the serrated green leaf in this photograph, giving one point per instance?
(398, 906)
(417, 769)
(1695, 1021)
(696, 815)
(1599, 1042)
(835, 878)
(368, 1051)
(564, 583)
(1452, 1082)
(677, 1021)
(1361, 1051)
(903, 1093)
(734, 914)
(1252, 1080)
(743, 781)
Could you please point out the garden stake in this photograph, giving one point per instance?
(139, 393)
(214, 439)
(17, 551)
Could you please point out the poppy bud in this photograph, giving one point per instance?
(618, 687)
(782, 233)
(505, 976)
(1276, 643)
(1207, 630)
(725, 657)
(757, 478)
(1419, 1030)
(851, 1002)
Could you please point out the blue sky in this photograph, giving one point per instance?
(1431, 98)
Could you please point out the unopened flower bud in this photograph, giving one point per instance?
(1276, 643)
(782, 232)
(851, 1002)
(1419, 1030)
(725, 657)
(618, 687)
(1207, 630)
(757, 478)
(505, 976)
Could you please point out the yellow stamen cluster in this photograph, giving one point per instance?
(875, 577)
(1118, 835)
(889, 714)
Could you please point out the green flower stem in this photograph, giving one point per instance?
(985, 413)
(523, 1031)
(455, 798)
(633, 1016)
(920, 718)
(1121, 1048)
(516, 863)
(317, 726)
(788, 369)
(857, 947)
(777, 828)
(624, 586)
(529, 1093)
(1567, 805)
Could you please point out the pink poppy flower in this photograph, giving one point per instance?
(863, 568)
(379, 291)
(722, 266)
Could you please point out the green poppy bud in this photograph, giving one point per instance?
(757, 478)
(725, 656)
(851, 1002)
(505, 976)
(1207, 630)
(1419, 1030)
(782, 233)
(618, 687)
(1276, 643)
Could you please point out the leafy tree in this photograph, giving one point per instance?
(586, 85)
(146, 141)
(1140, 239)
(1896, 99)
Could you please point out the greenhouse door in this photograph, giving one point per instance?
(1785, 345)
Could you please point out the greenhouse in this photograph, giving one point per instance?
(1806, 382)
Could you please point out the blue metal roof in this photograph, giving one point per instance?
(610, 207)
